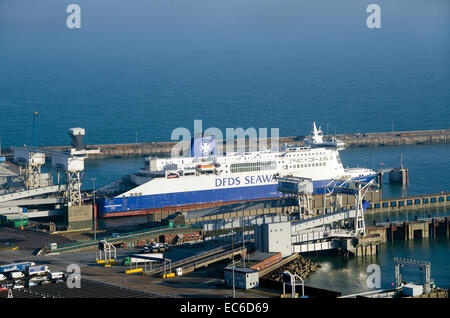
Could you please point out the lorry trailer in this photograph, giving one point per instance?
(15, 267)
(56, 275)
(37, 270)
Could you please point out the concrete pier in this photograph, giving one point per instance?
(364, 246)
(410, 230)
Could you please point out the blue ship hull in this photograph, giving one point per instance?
(143, 204)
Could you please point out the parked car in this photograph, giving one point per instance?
(156, 248)
(32, 283)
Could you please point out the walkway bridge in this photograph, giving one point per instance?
(32, 193)
(202, 259)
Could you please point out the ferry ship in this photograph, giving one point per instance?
(206, 178)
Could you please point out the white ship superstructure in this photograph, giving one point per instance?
(315, 140)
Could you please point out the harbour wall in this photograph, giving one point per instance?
(162, 149)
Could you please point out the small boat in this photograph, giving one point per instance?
(206, 167)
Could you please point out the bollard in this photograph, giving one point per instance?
(446, 227)
(405, 230)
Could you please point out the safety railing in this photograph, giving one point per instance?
(128, 235)
(200, 258)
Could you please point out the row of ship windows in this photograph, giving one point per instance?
(319, 164)
(306, 154)
(311, 159)
(253, 166)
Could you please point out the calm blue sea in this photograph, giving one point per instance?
(147, 67)
(139, 69)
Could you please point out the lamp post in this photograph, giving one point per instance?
(93, 211)
(35, 124)
(243, 234)
(232, 255)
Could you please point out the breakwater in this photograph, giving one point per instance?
(441, 136)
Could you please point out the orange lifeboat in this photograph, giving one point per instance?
(205, 167)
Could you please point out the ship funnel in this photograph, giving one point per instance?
(203, 146)
(77, 135)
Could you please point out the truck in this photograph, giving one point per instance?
(138, 258)
(56, 275)
(15, 267)
(37, 270)
(16, 275)
(2, 277)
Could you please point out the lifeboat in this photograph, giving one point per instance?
(172, 175)
(205, 167)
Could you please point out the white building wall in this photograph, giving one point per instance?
(277, 238)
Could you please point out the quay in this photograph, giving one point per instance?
(162, 149)
(320, 204)
(410, 202)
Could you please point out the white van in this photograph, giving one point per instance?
(2, 277)
(16, 275)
